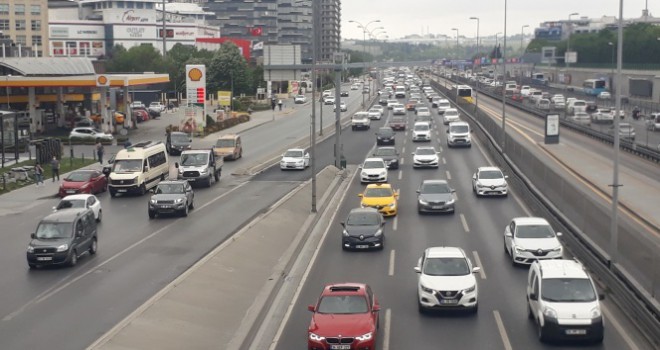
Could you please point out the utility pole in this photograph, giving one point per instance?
(313, 143)
(476, 91)
(503, 80)
(339, 59)
(568, 47)
(614, 224)
(164, 32)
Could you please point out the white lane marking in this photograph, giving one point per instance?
(500, 327)
(403, 150)
(386, 329)
(55, 289)
(305, 275)
(448, 175)
(390, 272)
(477, 261)
(619, 328)
(466, 228)
(401, 175)
(441, 150)
(402, 160)
(444, 161)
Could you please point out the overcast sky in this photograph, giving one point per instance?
(404, 17)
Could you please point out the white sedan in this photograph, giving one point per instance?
(89, 133)
(342, 107)
(528, 239)
(374, 114)
(604, 95)
(329, 100)
(490, 181)
(300, 99)
(76, 201)
(425, 157)
(294, 158)
(373, 170)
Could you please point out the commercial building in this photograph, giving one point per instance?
(559, 30)
(25, 23)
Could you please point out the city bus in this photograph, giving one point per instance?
(465, 92)
(594, 87)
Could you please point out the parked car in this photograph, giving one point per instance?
(83, 181)
(157, 106)
(137, 104)
(141, 114)
(90, 134)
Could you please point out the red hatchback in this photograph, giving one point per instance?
(345, 317)
(83, 181)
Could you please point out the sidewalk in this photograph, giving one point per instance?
(214, 304)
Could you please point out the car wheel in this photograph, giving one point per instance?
(506, 250)
(32, 266)
(112, 194)
(152, 214)
(513, 259)
(143, 189)
(530, 315)
(209, 181)
(420, 308)
(73, 260)
(104, 188)
(100, 217)
(185, 211)
(94, 247)
(475, 309)
(192, 204)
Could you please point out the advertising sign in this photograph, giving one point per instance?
(196, 89)
(551, 128)
(224, 98)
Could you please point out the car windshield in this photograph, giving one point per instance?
(424, 151)
(422, 109)
(438, 187)
(490, 174)
(421, 127)
(567, 290)
(127, 165)
(373, 164)
(343, 304)
(444, 105)
(71, 203)
(78, 176)
(446, 267)
(378, 192)
(385, 132)
(224, 143)
(373, 110)
(169, 189)
(180, 138)
(534, 231)
(53, 230)
(459, 129)
(194, 159)
(293, 154)
(625, 127)
(363, 219)
(397, 120)
(451, 112)
(385, 152)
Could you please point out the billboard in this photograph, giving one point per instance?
(224, 98)
(196, 91)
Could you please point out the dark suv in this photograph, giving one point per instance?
(178, 142)
(385, 136)
(62, 237)
(171, 197)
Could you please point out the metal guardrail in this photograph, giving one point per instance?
(641, 307)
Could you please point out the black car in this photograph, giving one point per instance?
(344, 93)
(385, 136)
(178, 142)
(171, 197)
(389, 154)
(363, 229)
(383, 100)
(435, 196)
(62, 237)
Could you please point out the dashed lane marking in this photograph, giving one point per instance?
(466, 228)
(500, 327)
(482, 272)
(390, 272)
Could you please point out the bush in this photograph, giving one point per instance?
(209, 120)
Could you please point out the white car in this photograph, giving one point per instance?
(90, 134)
(450, 116)
(458, 134)
(374, 114)
(391, 103)
(76, 201)
(342, 107)
(527, 239)
(157, 107)
(604, 95)
(355, 87)
(379, 108)
(525, 90)
(581, 118)
(446, 280)
(603, 115)
(360, 120)
(398, 109)
(421, 132)
(425, 157)
(300, 99)
(294, 158)
(423, 112)
(137, 104)
(443, 105)
(373, 170)
(490, 181)
(329, 100)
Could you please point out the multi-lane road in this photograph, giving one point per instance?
(477, 227)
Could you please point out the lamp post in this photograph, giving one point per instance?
(611, 45)
(522, 36)
(495, 50)
(476, 92)
(364, 39)
(568, 46)
(503, 80)
(164, 32)
(456, 29)
(371, 33)
(614, 229)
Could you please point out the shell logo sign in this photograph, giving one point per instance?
(195, 74)
(102, 80)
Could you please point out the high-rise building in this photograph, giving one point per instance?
(25, 22)
(250, 20)
(329, 30)
(294, 25)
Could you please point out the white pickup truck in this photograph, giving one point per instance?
(360, 120)
(199, 166)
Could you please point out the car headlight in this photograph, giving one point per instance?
(30, 249)
(178, 200)
(315, 337)
(519, 249)
(180, 171)
(480, 185)
(204, 172)
(451, 201)
(426, 290)
(557, 249)
(364, 173)
(63, 248)
(422, 202)
(470, 289)
(299, 161)
(345, 233)
(392, 205)
(365, 337)
(549, 312)
(383, 173)
(595, 312)
(152, 201)
(378, 233)
(135, 180)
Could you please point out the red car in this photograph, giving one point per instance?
(141, 114)
(345, 317)
(517, 97)
(397, 123)
(83, 181)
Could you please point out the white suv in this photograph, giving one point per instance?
(360, 120)
(446, 280)
(489, 181)
(421, 131)
(458, 134)
(563, 302)
(373, 170)
(529, 239)
(450, 115)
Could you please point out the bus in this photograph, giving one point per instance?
(594, 87)
(465, 92)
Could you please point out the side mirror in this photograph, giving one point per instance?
(532, 296)
(476, 269)
(506, 176)
(360, 195)
(54, 208)
(418, 191)
(376, 308)
(417, 269)
(311, 308)
(152, 191)
(33, 235)
(176, 165)
(508, 234)
(189, 140)
(145, 169)
(453, 190)
(559, 234)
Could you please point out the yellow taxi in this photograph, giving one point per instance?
(382, 197)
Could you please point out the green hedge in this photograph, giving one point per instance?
(225, 124)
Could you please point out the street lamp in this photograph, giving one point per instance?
(476, 92)
(522, 35)
(568, 40)
(364, 40)
(614, 227)
(503, 81)
(611, 44)
(456, 29)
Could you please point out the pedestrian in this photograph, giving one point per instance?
(99, 150)
(279, 104)
(273, 104)
(55, 167)
(39, 174)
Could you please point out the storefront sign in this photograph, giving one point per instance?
(59, 32)
(130, 17)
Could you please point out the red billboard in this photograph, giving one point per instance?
(243, 45)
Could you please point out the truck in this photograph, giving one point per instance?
(199, 166)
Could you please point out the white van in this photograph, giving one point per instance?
(139, 168)
(458, 134)
(400, 91)
(543, 104)
(563, 301)
(577, 106)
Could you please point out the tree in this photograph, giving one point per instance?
(142, 58)
(226, 65)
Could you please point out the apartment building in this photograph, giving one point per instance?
(25, 23)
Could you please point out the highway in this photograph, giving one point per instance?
(477, 227)
(69, 308)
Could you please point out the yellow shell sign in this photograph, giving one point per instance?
(102, 80)
(195, 74)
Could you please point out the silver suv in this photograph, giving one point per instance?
(171, 197)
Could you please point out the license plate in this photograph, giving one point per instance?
(166, 206)
(342, 346)
(44, 258)
(122, 191)
(436, 207)
(576, 331)
(361, 246)
(449, 301)
(70, 191)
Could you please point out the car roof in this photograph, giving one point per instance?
(460, 122)
(296, 149)
(562, 269)
(379, 186)
(77, 196)
(425, 123)
(348, 288)
(434, 181)
(173, 182)
(488, 168)
(374, 159)
(425, 147)
(445, 252)
(530, 221)
(386, 147)
(367, 210)
(227, 136)
(65, 215)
